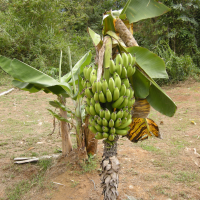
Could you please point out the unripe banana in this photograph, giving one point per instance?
(105, 135)
(111, 137)
(92, 110)
(131, 93)
(89, 69)
(94, 86)
(102, 113)
(112, 130)
(96, 96)
(112, 67)
(116, 94)
(92, 102)
(108, 95)
(92, 122)
(98, 127)
(118, 122)
(88, 84)
(118, 59)
(120, 113)
(126, 82)
(87, 108)
(133, 60)
(85, 71)
(130, 59)
(111, 123)
(126, 112)
(126, 124)
(106, 74)
(124, 120)
(125, 59)
(104, 86)
(114, 116)
(124, 72)
(130, 70)
(98, 136)
(117, 103)
(90, 119)
(93, 77)
(88, 101)
(127, 94)
(99, 87)
(119, 69)
(92, 129)
(111, 85)
(129, 116)
(118, 81)
(123, 90)
(124, 103)
(131, 102)
(97, 107)
(105, 129)
(96, 117)
(102, 98)
(104, 122)
(122, 132)
(88, 93)
(107, 114)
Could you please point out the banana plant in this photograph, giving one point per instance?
(122, 89)
(30, 79)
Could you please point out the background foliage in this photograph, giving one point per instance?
(35, 31)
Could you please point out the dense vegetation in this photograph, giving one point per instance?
(35, 31)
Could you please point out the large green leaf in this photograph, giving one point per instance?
(140, 85)
(151, 63)
(108, 24)
(78, 67)
(137, 10)
(160, 101)
(96, 38)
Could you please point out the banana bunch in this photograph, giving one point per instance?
(109, 101)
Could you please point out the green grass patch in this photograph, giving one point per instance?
(186, 176)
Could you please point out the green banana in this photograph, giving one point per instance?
(92, 110)
(119, 69)
(104, 122)
(91, 119)
(88, 73)
(125, 59)
(120, 113)
(111, 123)
(105, 135)
(96, 96)
(130, 70)
(108, 95)
(114, 116)
(122, 132)
(116, 94)
(88, 101)
(88, 84)
(130, 59)
(123, 90)
(92, 102)
(127, 94)
(118, 122)
(94, 86)
(124, 120)
(111, 137)
(126, 124)
(124, 72)
(92, 129)
(118, 102)
(107, 114)
(106, 74)
(85, 71)
(118, 59)
(97, 107)
(104, 86)
(126, 112)
(92, 122)
(117, 81)
(105, 129)
(88, 93)
(102, 98)
(131, 93)
(129, 116)
(102, 113)
(131, 102)
(98, 127)
(112, 130)
(112, 66)
(124, 103)
(133, 60)
(96, 117)
(87, 108)
(111, 85)
(99, 87)
(126, 82)
(98, 136)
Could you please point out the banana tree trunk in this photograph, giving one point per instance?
(110, 170)
(66, 140)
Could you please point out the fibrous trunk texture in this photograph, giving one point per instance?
(66, 140)
(110, 169)
(90, 141)
(125, 34)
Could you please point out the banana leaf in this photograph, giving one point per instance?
(137, 10)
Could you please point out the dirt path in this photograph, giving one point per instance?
(153, 169)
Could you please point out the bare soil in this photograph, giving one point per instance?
(153, 169)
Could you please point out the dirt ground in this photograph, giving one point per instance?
(153, 169)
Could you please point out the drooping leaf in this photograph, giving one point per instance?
(160, 101)
(57, 104)
(140, 85)
(96, 38)
(58, 116)
(85, 60)
(137, 10)
(108, 24)
(151, 63)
